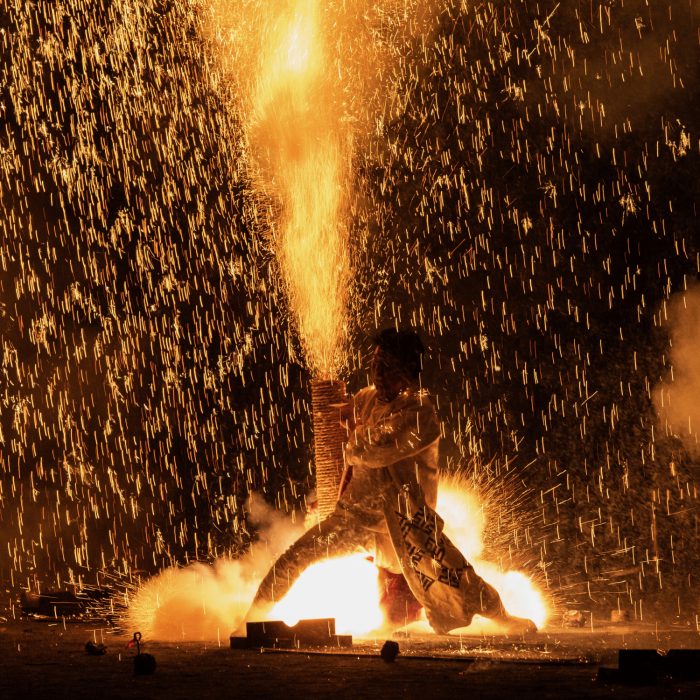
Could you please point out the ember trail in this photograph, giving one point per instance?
(514, 179)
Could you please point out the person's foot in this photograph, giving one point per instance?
(516, 625)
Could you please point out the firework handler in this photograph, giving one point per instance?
(387, 501)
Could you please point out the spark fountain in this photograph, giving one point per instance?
(303, 155)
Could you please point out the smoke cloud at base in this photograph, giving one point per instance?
(676, 397)
(204, 602)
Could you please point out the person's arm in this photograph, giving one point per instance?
(346, 415)
(402, 435)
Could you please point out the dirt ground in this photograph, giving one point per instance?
(48, 660)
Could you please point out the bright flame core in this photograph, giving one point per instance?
(302, 150)
(300, 38)
(345, 588)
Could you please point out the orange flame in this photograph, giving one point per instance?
(346, 588)
(465, 523)
(303, 152)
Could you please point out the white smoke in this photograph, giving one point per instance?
(677, 397)
(207, 602)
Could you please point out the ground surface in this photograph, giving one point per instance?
(48, 660)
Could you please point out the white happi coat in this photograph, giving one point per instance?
(392, 491)
(394, 446)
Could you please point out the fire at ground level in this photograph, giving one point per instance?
(50, 659)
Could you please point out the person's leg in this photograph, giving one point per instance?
(492, 607)
(397, 601)
(337, 535)
(439, 576)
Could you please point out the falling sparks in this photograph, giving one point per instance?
(516, 179)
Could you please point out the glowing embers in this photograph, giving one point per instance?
(344, 588)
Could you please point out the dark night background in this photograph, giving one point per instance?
(530, 204)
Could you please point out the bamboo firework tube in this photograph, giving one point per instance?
(329, 437)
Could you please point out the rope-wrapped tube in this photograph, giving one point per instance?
(329, 436)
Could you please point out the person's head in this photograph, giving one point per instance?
(396, 363)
